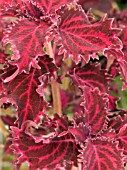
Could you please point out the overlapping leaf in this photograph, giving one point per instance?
(91, 75)
(102, 155)
(8, 120)
(27, 39)
(117, 121)
(81, 132)
(112, 103)
(100, 5)
(95, 106)
(80, 38)
(122, 138)
(7, 149)
(43, 155)
(117, 130)
(23, 90)
(32, 10)
(124, 41)
(49, 128)
(1, 86)
(11, 11)
(49, 7)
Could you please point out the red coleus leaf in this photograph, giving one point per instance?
(117, 121)
(122, 138)
(3, 56)
(95, 109)
(91, 75)
(1, 86)
(43, 155)
(124, 41)
(46, 65)
(120, 18)
(101, 5)
(27, 39)
(80, 38)
(11, 11)
(49, 128)
(117, 125)
(114, 69)
(8, 120)
(112, 103)
(49, 7)
(32, 10)
(119, 55)
(109, 134)
(2, 91)
(1, 30)
(23, 90)
(81, 132)
(102, 155)
(7, 149)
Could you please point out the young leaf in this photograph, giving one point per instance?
(81, 132)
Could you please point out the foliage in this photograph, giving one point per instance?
(62, 70)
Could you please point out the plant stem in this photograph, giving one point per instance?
(56, 97)
(57, 108)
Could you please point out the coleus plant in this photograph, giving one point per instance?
(59, 76)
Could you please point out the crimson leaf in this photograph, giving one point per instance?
(95, 109)
(32, 10)
(80, 38)
(91, 75)
(102, 155)
(117, 121)
(122, 138)
(43, 155)
(23, 90)
(27, 39)
(80, 132)
(49, 7)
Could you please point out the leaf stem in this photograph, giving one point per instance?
(57, 108)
